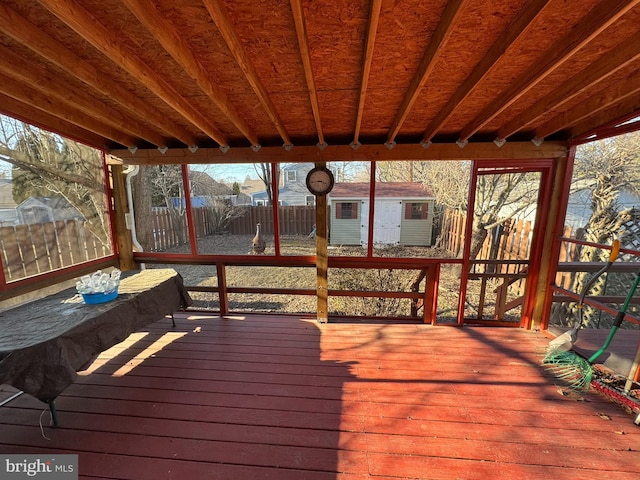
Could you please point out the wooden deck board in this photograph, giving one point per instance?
(283, 398)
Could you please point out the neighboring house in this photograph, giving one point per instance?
(8, 213)
(293, 186)
(403, 214)
(205, 190)
(254, 190)
(46, 209)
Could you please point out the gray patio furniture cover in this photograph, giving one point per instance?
(44, 343)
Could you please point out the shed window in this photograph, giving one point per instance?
(416, 211)
(346, 210)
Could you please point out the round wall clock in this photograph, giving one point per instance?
(320, 181)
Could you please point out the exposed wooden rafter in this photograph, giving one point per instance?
(625, 124)
(452, 13)
(40, 79)
(221, 18)
(607, 65)
(629, 108)
(18, 90)
(87, 26)
(301, 32)
(24, 32)
(593, 24)
(147, 13)
(331, 72)
(26, 113)
(574, 116)
(374, 18)
(497, 50)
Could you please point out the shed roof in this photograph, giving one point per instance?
(403, 190)
(142, 74)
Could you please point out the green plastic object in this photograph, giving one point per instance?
(571, 368)
(576, 371)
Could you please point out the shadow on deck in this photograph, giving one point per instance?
(277, 397)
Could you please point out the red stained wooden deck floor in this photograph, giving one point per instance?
(266, 397)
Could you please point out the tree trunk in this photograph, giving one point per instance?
(142, 194)
(478, 236)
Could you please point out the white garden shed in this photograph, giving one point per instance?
(403, 214)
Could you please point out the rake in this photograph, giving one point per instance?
(574, 370)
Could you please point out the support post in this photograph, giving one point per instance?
(322, 258)
(562, 172)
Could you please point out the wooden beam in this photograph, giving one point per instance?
(219, 14)
(23, 93)
(401, 152)
(514, 31)
(561, 178)
(601, 17)
(174, 43)
(626, 108)
(39, 78)
(26, 33)
(322, 256)
(301, 32)
(442, 33)
(374, 18)
(89, 28)
(26, 113)
(587, 109)
(619, 128)
(607, 65)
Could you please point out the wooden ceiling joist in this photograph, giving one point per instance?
(517, 28)
(593, 125)
(374, 18)
(24, 32)
(207, 72)
(583, 110)
(40, 79)
(301, 33)
(450, 16)
(219, 14)
(624, 124)
(593, 24)
(26, 113)
(607, 65)
(20, 91)
(171, 40)
(88, 27)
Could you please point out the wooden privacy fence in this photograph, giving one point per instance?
(510, 240)
(294, 220)
(452, 232)
(42, 247)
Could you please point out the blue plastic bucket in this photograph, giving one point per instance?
(95, 298)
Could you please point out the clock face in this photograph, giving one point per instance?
(320, 181)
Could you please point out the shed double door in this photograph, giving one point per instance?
(386, 222)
